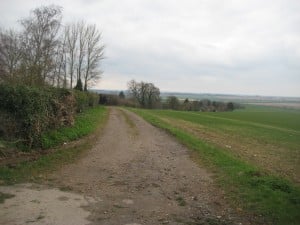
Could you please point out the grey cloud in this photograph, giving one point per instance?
(232, 46)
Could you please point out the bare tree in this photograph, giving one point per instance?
(59, 77)
(94, 54)
(153, 96)
(72, 36)
(84, 53)
(40, 54)
(146, 94)
(39, 42)
(82, 29)
(10, 55)
(133, 89)
(173, 102)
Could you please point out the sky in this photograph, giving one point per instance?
(248, 47)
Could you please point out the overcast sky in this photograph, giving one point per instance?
(203, 46)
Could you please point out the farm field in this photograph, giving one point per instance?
(254, 152)
(264, 136)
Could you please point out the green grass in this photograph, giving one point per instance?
(248, 186)
(282, 118)
(86, 123)
(277, 128)
(180, 200)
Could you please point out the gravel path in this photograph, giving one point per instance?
(137, 174)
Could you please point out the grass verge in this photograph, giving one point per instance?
(248, 186)
(89, 122)
(85, 123)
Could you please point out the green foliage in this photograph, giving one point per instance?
(93, 99)
(250, 187)
(84, 124)
(180, 200)
(85, 100)
(27, 112)
(33, 110)
(81, 100)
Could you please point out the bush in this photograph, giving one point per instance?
(106, 99)
(85, 100)
(32, 110)
(93, 99)
(81, 99)
(27, 112)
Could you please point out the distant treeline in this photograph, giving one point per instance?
(204, 105)
(172, 102)
(146, 95)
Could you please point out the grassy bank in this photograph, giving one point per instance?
(249, 186)
(85, 123)
(88, 122)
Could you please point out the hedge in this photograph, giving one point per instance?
(27, 112)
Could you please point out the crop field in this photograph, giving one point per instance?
(254, 152)
(266, 137)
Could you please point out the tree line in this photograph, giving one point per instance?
(47, 52)
(147, 95)
(204, 105)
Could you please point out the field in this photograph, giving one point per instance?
(254, 153)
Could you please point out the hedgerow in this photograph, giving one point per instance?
(27, 112)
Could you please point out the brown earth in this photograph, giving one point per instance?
(135, 174)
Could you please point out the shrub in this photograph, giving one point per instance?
(81, 100)
(85, 100)
(32, 110)
(93, 99)
(27, 112)
(107, 99)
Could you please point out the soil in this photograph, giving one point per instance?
(135, 174)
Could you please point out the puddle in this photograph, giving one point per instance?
(35, 204)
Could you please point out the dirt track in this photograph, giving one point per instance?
(135, 174)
